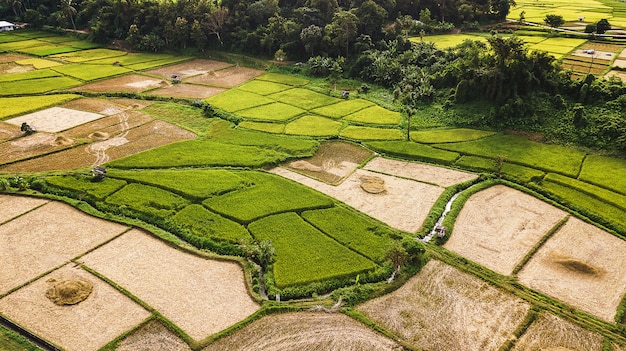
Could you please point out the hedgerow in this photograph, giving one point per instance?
(414, 151)
(353, 230)
(374, 115)
(147, 200)
(200, 222)
(269, 194)
(198, 184)
(314, 126)
(83, 184)
(370, 133)
(304, 254)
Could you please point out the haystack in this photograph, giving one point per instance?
(373, 184)
(68, 292)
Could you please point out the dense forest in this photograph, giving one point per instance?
(499, 85)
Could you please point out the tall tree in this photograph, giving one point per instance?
(343, 29)
(69, 11)
(214, 21)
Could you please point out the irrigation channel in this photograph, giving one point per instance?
(433, 232)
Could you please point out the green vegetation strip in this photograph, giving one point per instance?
(262, 87)
(82, 184)
(555, 158)
(234, 99)
(284, 79)
(437, 136)
(353, 230)
(88, 55)
(38, 63)
(539, 244)
(304, 98)
(604, 171)
(343, 108)
(147, 200)
(202, 223)
(374, 115)
(313, 126)
(184, 116)
(44, 73)
(268, 194)
(11, 106)
(37, 86)
(271, 112)
(371, 133)
(91, 72)
(304, 254)
(414, 151)
(605, 195)
(275, 128)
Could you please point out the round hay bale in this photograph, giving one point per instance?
(373, 184)
(68, 292)
(62, 140)
(99, 135)
(305, 166)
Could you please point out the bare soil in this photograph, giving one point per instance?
(421, 172)
(304, 331)
(13, 206)
(55, 119)
(45, 238)
(11, 67)
(581, 265)
(152, 336)
(410, 200)
(226, 78)
(9, 131)
(85, 326)
(102, 106)
(190, 68)
(442, 308)
(192, 91)
(129, 83)
(549, 332)
(4, 58)
(619, 74)
(29, 146)
(200, 296)
(499, 225)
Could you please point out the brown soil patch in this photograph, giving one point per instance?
(28, 146)
(200, 296)
(499, 225)
(602, 47)
(111, 125)
(4, 58)
(152, 336)
(190, 68)
(130, 83)
(192, 91)
(442, 308)
(86, 326)
(132, 103)
(68, 292)
(226, 78)
(11, 68)
(9, 131)
(373, 184)
(333, 161)
(598, 55)
(55, 119)
(13, 206)
(410, 200)
(619, 74)
(45, 238)
(549, 332)
(101, 106)
(619, 63)
(421, 172)
(304, 331)
(581, 265)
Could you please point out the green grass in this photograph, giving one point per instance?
(275, 128)
(284, 79)
(477, 163)
(234, 100)
(198, 184)
(88, 55)
(132, 58)
(610, 197)
(436, 136)
(184, 116)
(200, 222)
(296, 147)
(147, 200)
(8, 38)
(374, 115)
(195, 153)
(43, 73)
(37, 86)
(304, 98)
(521, 173)
(89, 72)
(371, 133)
(413, 151)
(38, 63)
(47, 50)
(157, 63)
(313, 126)
(262, 87)
(17, 45)
(304, 254)
(343, 108)
(11, 106)
(353, 230)
(82, 184)
(269, 194)
(449, 40)
(271, 112)
(11, 341)
(606, 172)
(555, 158)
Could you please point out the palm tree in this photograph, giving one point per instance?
(69, 11)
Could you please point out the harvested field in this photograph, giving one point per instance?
(444, 177)
(192, 91)
(111, 125)
(614, 73)
(499, 225)
(30, 245)
(13, 206)
(146, 136)
(31, 145)
(86, 326)
(442, 308)
(5, 58)
(226, 78)
(333, 161)
(9, 131)
(200, 296)
(11, 68)
(130, 83)
(551, 333)
(304, 331)
(188, 69)
(590, 265)
(102, 106)
(55, 119)
(410, 200)
(152, 336)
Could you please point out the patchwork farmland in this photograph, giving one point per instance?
(169, 249)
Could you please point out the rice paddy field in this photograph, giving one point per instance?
(163, 253)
